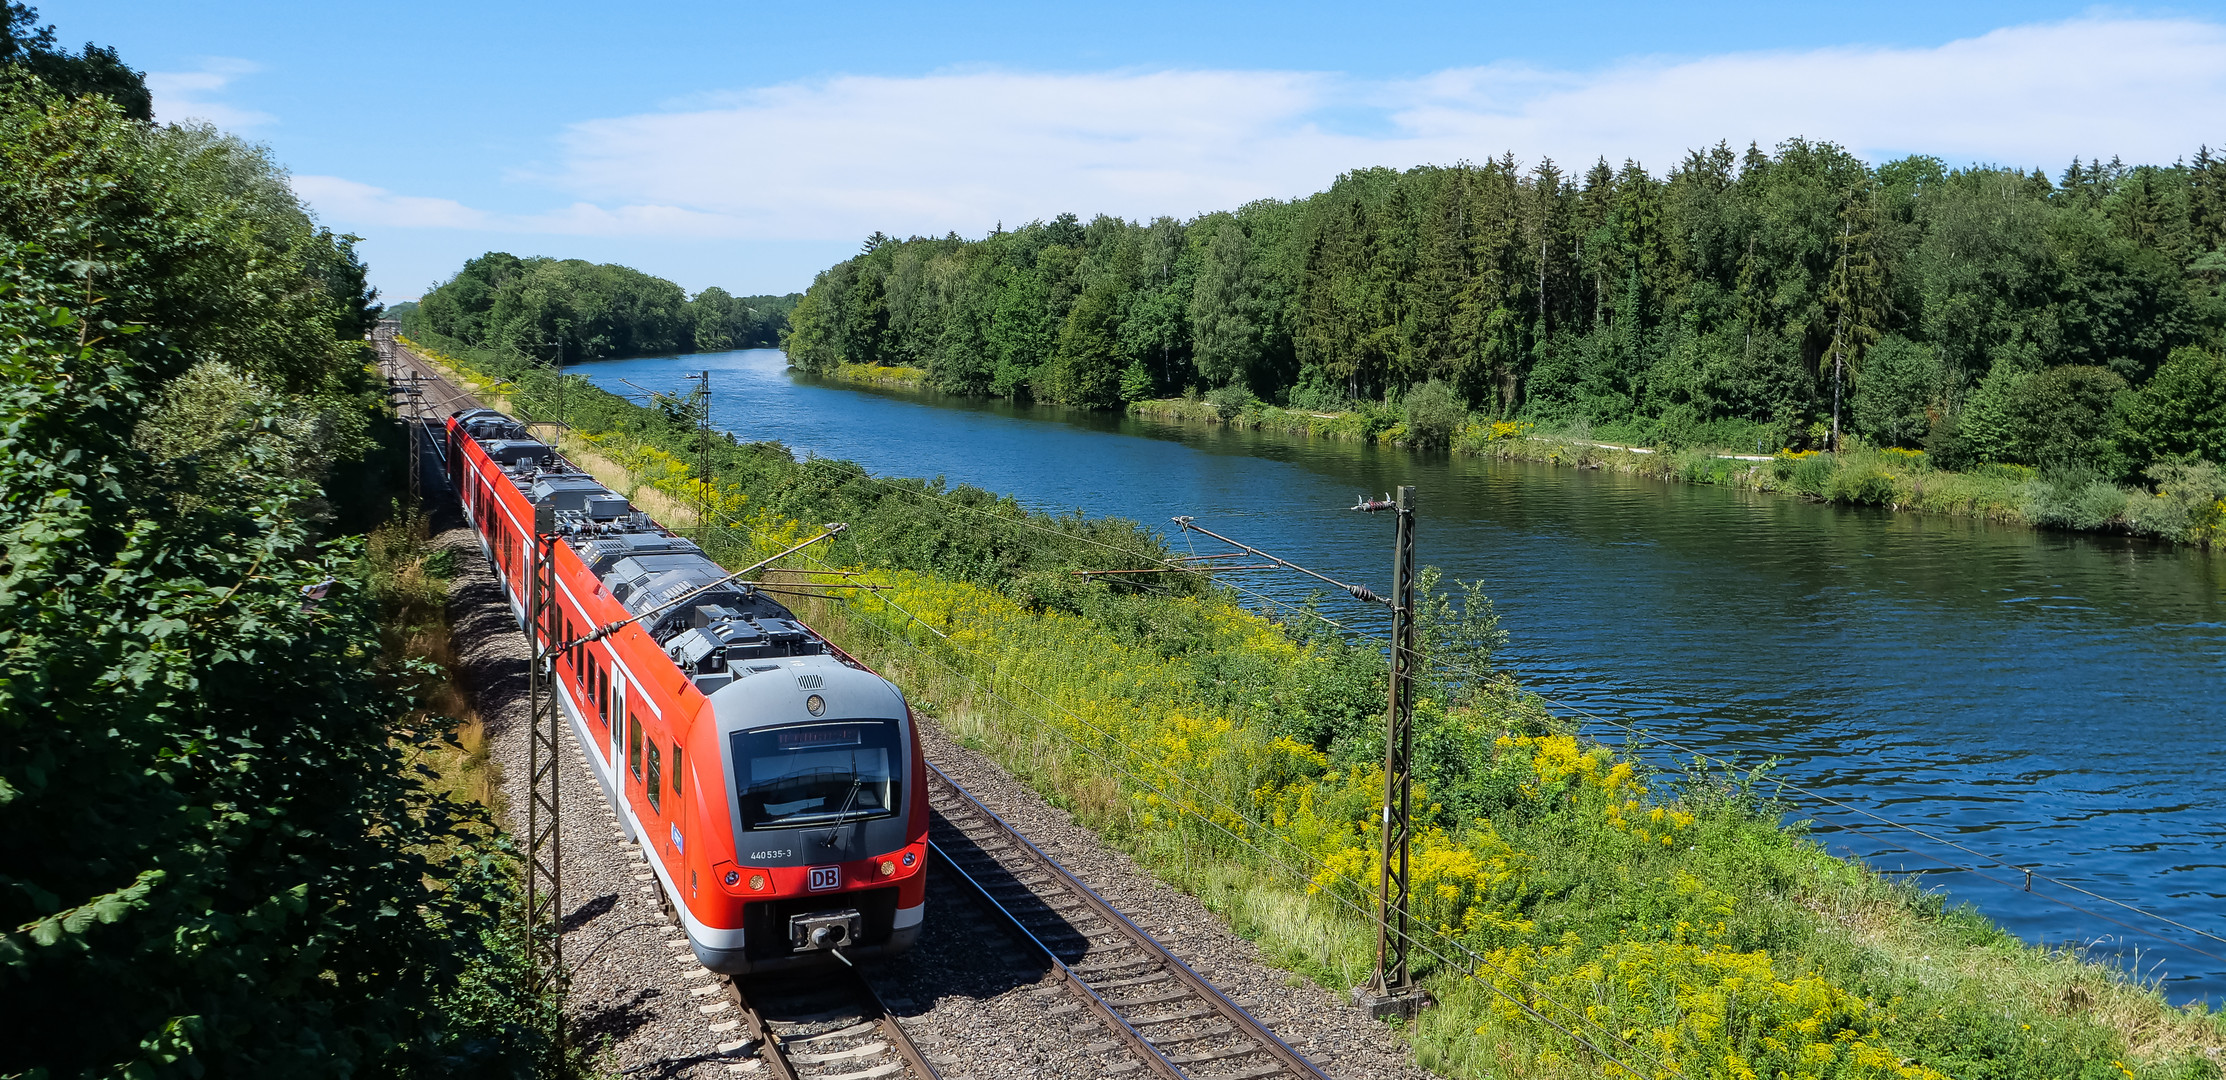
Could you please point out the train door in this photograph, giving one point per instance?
(618, 731)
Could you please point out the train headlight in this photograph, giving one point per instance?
(757, 881)
(887, 868)
(733, 877)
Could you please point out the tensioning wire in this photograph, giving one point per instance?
(1025, 523)
(2028, 889)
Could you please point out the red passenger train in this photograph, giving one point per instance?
(775, 785)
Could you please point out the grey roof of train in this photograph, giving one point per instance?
(656, 568)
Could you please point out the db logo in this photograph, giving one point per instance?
(826, 877)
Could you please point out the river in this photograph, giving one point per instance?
(2050, 700)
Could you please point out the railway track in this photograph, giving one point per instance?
(1175, 1023)
(831, 1026)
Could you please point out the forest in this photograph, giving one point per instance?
(1795, 298)
(564, 310)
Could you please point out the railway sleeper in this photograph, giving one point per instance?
(1134, 980)
(1176, 994)
(1230, 1051)
(876, 1073)
(1194, 1012)
(1094, 968)
(1089, 926)
(1061, 902)
(806, 1020)
(1214, 1030)
(863, 1027)
(863, 1050)
(1252, 1073)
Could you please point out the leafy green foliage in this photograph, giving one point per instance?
(549, 309)
(2059, 416)
(215, 856)
(2181, 412)
(95, 70)
(1899, 393)
(1434, 415)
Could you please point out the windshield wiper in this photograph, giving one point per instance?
(857, 783)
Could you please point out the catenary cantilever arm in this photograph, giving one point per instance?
(1359, 592)
(601, 632)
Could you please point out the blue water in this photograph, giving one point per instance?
(2051, 700)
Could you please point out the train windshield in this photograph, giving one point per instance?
(817, 774)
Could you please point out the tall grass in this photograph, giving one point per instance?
(410, 581)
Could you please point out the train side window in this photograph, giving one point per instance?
(634, 751)
(656, 780)
(676, 770)
(603, 694)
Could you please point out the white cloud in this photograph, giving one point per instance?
(963, 149)
(2149, 90)
(337, 199)
(188, 95)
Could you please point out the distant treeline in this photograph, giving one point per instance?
(1986, 313)
(571, 309)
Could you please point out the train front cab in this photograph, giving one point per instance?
(827, 805)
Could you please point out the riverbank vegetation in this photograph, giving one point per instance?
(2181, 499)
(563, 310)
(216, 856)
(1580, 913)
(1798, 299)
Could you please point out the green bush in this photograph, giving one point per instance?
(2063, 416)
(1434, 413)
(1314, 398)
(1895, 391)
(2180, 412)
(1230, 402)
(2074, 497)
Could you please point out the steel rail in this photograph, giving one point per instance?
(864, 1005)
(1091, 999)
(775, 1050)
(1244, 1026)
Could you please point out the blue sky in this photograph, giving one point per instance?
(748, 146)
